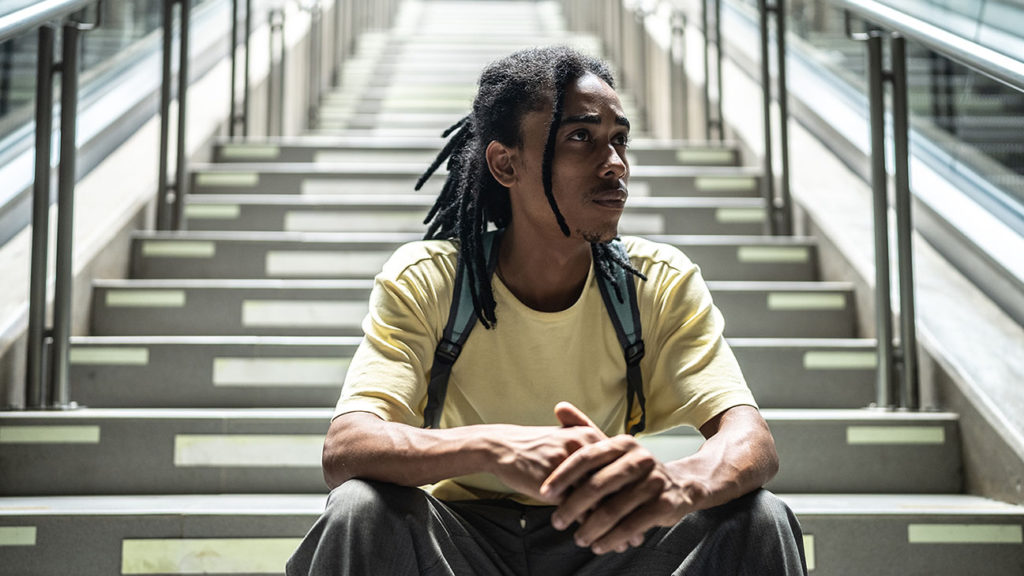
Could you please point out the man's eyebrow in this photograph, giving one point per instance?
(593, 119)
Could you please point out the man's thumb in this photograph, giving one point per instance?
(569, 415)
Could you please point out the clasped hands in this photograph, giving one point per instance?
(614, 488)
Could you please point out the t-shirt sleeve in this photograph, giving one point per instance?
(389, 371)
(694, 374)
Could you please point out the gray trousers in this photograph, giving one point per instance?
(374, 528)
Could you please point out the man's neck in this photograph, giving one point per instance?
(544, 272)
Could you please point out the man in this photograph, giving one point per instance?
(531, 469)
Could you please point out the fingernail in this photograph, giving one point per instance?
(558, 523)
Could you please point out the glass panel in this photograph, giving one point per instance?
(113, 45)
(977, 123)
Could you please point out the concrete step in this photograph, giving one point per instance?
(104, 535)
(845, 534)
(896, 535)
(163, 451)
(345, 255)
(337, 308)
(423, 151)
(298, 372)
(361, 178)
(405, 213)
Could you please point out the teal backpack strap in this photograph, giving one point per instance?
(625, 317)
(461, 320)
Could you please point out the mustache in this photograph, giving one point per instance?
(604, 191)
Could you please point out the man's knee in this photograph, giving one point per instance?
(764, 512)
(369, 502)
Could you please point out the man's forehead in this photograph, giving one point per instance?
(590, 95)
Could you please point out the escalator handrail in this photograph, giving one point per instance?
(996, 65)
(27, 19)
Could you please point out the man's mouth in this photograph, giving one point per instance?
(611, 198)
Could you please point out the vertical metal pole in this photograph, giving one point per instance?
(643, 81)
(766, 112)
(784, 208)
(337, 49)
(35, 368)
(59, 397)
(233, 114)
(245, 78)
(677, 63)
(181, 172)
(707, 67)
(886, 394)
(910, 397)
(163, 216)
(719, 121)
(315, 52)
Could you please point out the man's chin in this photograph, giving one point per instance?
(599, 236)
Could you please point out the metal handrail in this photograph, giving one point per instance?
(989, 62)
(31, 17)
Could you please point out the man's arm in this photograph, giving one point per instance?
(362, 445)
(617, 490)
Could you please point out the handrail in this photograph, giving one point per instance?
(996, 65)
(31, 17)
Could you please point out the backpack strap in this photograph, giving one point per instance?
(625, 317)
(461, 320)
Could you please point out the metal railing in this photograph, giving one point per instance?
(47, 348)
(898, 378)
(48, 354)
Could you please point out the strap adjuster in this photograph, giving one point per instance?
(634, 353)
(448, 351)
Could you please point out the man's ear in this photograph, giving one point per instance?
(499, 162)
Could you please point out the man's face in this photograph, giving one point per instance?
(589, 170)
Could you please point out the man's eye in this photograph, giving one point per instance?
(622, 140)
(579, 136)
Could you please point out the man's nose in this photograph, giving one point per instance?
(614, 164)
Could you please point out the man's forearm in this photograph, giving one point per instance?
(364, 446)
(737, 458)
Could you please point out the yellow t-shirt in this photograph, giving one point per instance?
(517, 371)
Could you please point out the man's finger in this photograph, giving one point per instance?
(577, 466)
(608, 482)
(569, 415)
(629, 531)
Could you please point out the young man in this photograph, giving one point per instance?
(531, 469)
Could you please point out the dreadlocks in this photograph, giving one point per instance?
(471, 198)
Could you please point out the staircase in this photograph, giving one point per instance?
(211, 373)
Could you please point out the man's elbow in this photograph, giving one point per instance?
(334, 460)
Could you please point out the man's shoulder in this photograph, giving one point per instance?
(423, 258)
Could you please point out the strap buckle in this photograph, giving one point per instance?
(634, 353)
(448, 351)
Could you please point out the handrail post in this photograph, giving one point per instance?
(276, 74)
(163, 216)
(181, 174)
(36, 364)
(315, 64)
(59, 361)
(907, 352)
(766, 114)
(713, 121)
(236, 118)
(679, 79)
(170, 204)
(780, 220)
(886, 393)
(245, 79)
(719, 120)
(783, 211)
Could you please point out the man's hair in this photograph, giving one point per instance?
(471, 198)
